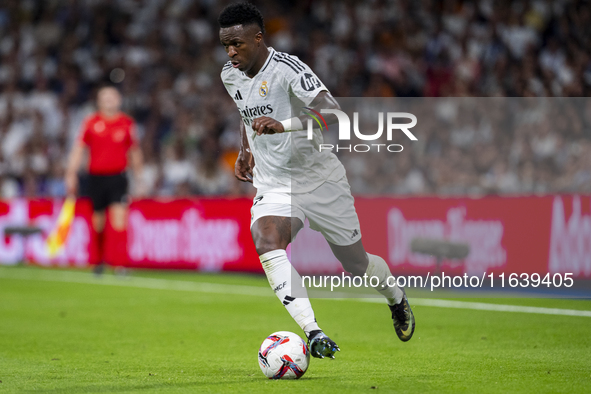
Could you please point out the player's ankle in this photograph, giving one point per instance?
(308, 328)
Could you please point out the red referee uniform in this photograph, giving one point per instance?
(108, 140)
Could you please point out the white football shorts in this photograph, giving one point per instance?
(330, 209)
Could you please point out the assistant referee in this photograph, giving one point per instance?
(109, 135)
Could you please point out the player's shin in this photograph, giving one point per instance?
(281, 276)
(379, 268)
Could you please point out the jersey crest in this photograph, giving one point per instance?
(264, 89)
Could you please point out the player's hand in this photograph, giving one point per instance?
(71, 181)
(266, 125)
(243, 168)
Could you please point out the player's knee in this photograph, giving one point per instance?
(98, 221)
(264, 243)
(118, 216)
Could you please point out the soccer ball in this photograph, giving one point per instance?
(284, 355)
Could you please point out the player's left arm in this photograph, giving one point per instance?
(324, 100)
(136, 162)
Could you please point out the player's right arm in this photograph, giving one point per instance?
(245, 161)
(268, 125)
(75, 160)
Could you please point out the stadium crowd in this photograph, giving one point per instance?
(165, 57)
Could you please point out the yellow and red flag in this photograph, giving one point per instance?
(58, 237)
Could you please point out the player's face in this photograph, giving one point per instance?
(108, 100)
(242, 45)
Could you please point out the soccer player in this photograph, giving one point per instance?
(262, 82)
(109, 135)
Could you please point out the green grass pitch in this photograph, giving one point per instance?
(64, 332)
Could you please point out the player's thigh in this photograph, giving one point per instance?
(98, 194)
(273, 232)
(330, 209)
(274, 222)
(116, 189)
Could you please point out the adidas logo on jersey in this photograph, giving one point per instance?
(238, 96)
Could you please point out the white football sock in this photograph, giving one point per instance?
(379, 268)
(281, 275)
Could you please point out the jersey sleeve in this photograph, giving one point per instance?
(302, 82)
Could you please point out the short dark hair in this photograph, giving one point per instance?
(241, 14)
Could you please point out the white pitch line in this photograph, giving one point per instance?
(482, 306)
(203, 287)
(139, 282)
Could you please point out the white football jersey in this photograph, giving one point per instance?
(285, 162)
